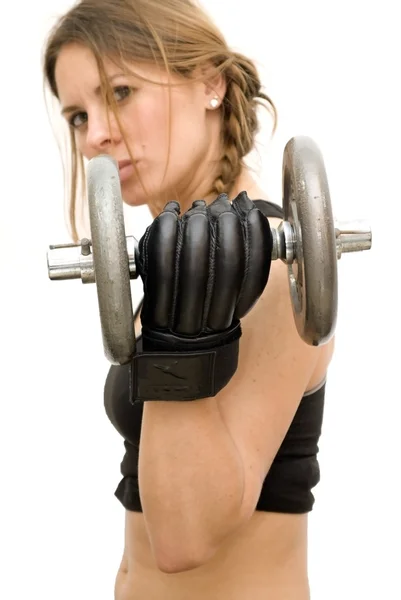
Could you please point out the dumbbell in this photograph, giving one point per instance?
(308, 240)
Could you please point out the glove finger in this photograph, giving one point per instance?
(193, 271)
(160, 267)
(220, 205)
(242, 204)
(172, 206)
(228, 270)
(258, 250)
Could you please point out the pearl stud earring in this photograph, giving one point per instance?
(214, 102)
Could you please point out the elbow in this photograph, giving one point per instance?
(171, 559)
(185, 547)
(175, 564)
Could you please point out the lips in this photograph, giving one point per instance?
(126, 169)
(124, 163)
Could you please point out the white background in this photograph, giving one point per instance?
(332, 69)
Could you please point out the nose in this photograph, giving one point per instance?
(102, 131)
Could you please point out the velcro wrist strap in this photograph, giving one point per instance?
(180, 376)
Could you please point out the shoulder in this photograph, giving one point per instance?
(269, 329)
(270, 336)
(271, 321)
(274, 371)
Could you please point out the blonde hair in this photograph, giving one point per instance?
(179, 35)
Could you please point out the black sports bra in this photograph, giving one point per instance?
(294, 472)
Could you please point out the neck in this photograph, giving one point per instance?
(196, 190)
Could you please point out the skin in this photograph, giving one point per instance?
(144, 114)
(212, 543)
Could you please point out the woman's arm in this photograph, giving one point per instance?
(202, 463)
(192, 481)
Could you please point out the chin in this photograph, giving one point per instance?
(133, 194)
(131, 200)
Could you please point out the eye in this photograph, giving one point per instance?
(78, 119)
(122, 92)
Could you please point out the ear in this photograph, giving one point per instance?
(215, 89)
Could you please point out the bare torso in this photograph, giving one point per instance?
(266, 559)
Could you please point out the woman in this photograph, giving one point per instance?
(217, 490)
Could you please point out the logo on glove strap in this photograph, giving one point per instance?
(167, 369)
(168, 377)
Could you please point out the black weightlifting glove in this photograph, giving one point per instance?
(202, 272)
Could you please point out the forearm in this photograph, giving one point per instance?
(191, 479)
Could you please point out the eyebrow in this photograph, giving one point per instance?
(74, 107)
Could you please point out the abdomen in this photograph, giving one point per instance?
(267, 558)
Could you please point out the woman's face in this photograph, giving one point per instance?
(144, 112)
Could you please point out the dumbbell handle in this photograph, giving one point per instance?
(75, 261)
(351, 236)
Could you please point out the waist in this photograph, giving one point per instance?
(266, 558)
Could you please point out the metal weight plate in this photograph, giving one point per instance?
(313, 272)
(110, 259)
